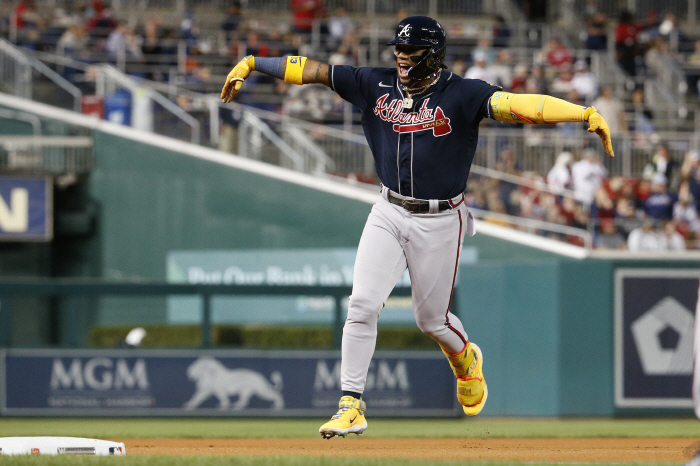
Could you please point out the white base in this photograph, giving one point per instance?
(59, 446)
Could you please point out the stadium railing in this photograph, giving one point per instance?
(65, 288)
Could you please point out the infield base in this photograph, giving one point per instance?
(60, 446)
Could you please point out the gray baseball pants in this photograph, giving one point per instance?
(392, 240)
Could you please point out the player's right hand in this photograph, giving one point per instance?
(235, 78)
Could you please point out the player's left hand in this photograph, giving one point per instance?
(235, 79)
(599, 126)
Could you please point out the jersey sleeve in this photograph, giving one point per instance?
(352, 84)
(475, 95)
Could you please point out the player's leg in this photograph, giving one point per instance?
(432, 254)
(379, 264)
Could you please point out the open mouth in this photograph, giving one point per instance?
(403, 70)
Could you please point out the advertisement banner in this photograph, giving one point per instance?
(26, 209)
(216, 383)
(654, 319)
(314, 267)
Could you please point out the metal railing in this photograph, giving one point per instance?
(685, 10)
(47, 154)
(23, 116)
(535, 226)
(109, 80)
(17, 75)
(70, 288)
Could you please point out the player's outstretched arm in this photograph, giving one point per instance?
(544, 109)
(295, 70)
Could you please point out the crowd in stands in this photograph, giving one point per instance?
(641, 44)
(656, 212)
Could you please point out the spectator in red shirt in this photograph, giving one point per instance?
(626, 42)
(304, 12)
(558, 55)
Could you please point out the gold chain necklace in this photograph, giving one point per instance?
(408, 100)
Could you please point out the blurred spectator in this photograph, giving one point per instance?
(690, 172)
(583, 82)
(338, 26)
(557, 55)
(502, 69)
(562, 84)
(559, 176)
(304, 13)
(483, 50)
(671, 240)
(587, 175)
(641, 116)
(668, 29)
(659, 205)
(73, 42)
(501, 32)
(481, 70)
(116, 42)
(685, 212)
(101, 22)
(459, 67)
(612, 110)
(232, 21)
(660, 164)
(654, 57)
(626, 214)
(26, 16)
(340, 56)
(536, 83)
(254, 46)
(189, 28)
(602, 206)
(520, 74)
(597, 32)
(626, 42)
(609, 237)
(644, 238)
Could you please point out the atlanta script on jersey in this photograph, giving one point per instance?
(424, 152)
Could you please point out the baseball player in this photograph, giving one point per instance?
(421, 122)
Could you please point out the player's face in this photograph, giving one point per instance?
(403, 60)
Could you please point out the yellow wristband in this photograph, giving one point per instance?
(295, 70)
(500, 106)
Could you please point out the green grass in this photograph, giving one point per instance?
(260, 461)
(378, 428)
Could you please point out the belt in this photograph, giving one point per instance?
(416, 206)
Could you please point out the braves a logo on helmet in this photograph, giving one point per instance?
(424, 119)
(406, 31)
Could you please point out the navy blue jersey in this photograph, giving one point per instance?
(425, 152)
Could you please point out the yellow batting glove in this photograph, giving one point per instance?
(235, 78)
(599, 126)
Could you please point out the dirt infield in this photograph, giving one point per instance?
(522, 449)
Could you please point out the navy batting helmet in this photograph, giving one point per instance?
(422, 31)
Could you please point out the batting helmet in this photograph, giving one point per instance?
(421, 31)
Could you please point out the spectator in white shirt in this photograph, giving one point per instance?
(645, 238)
(587, 175)
(559, 177)
(585, 84)
(480, 69)
(612, 110)
(671, 240)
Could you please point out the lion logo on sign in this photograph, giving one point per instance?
(215, 379)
